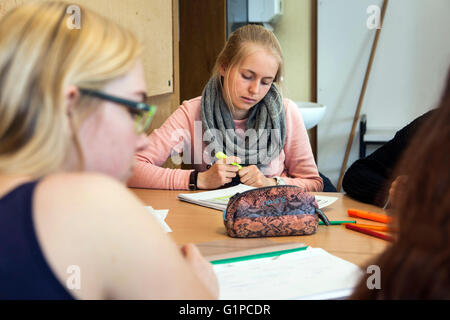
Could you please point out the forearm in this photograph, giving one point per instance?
(163, 142)
(310, 184)
(369, 179)
(147, 175)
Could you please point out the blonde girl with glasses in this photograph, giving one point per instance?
(72, 106)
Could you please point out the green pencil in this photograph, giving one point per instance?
(335, 223)
(258, 256)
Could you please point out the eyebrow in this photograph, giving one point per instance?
(254, 73)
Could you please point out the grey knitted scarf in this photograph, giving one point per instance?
(265, 133)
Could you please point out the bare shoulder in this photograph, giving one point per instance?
(84, 219)
(75, 179)
(80, 198)
(81, 187)
(92, 204)
(93, 222)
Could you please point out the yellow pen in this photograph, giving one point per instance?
(221, 155)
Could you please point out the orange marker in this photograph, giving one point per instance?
(380, 217)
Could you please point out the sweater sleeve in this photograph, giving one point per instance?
(300, 166)
(172, 136)
(369, 179)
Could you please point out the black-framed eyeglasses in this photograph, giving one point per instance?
(142, 111)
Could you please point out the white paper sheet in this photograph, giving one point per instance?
(160, 215)
(324, 201)
(218, 199)
(308, 274)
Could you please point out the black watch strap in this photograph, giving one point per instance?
(193, 180)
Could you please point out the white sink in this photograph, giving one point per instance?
(311, 112)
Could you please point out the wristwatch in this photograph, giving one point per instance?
(280, 181)
(193, 180)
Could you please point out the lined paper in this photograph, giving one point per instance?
(308, 274)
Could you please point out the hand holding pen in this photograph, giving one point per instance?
(220, 173)
(223, 156)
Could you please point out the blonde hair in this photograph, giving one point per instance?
(242, 43)
(39, 57)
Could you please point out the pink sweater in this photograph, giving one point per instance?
(295, 164)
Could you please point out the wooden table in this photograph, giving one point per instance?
(197, 224)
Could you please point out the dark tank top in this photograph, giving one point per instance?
(24, 272)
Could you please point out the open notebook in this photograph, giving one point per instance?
(218, 199)
(311, 273)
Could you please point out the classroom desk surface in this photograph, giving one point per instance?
(192, 223)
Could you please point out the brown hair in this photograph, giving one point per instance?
(240, 45)
(417, 265)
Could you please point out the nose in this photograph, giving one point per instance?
(254, 87)
(142, 142)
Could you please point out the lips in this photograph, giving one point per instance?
(248, 100)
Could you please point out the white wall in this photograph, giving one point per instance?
(407, 77)
(293, 30)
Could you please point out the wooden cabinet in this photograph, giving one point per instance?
(151, 21)
(203, 26)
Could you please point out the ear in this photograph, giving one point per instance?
(223, 70)
(71, 96)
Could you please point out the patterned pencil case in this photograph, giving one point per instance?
(272, 211)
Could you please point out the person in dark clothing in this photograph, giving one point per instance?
(327, 184)
(370, 179)
(416, 264)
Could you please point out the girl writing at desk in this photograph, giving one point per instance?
(242, 114)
